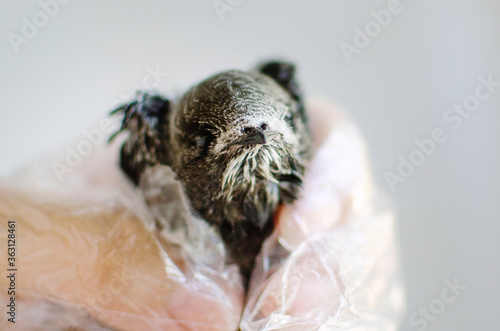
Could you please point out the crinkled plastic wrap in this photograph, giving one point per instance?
(95, 253)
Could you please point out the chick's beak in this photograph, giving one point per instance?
(252, 136)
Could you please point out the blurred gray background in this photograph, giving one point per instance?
(61, 73)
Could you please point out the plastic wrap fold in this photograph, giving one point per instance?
(96, 253)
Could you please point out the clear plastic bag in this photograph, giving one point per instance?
(96, 253)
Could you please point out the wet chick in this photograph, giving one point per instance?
(238, 142)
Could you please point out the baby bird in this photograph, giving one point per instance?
(238, 142)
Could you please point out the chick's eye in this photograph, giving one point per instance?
(203, 140)
(200, 141)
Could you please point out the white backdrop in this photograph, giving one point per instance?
(64, 64)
